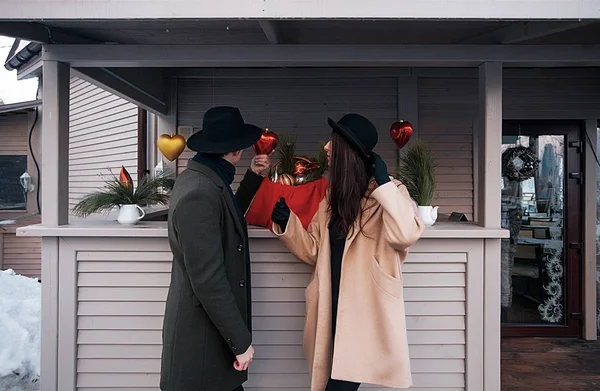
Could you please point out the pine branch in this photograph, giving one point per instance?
(417, 172)
(286, 150)
(150, 191)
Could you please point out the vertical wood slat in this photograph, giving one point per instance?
(49, 348)
(474, 320)
(491, 315)
(67, 313)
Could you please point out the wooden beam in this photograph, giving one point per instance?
(55, 144)
(37, 32)
(525, 31)
(164, 56)
(490, 140)
(144, 87)
(270, 29)
(305, 9)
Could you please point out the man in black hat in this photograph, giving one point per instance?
(207, 325)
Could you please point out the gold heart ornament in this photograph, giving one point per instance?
(171, 146)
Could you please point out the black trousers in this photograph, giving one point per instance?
(240, 388)
(341, 385)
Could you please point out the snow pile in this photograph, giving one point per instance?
(20, 329)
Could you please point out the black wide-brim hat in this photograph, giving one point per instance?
(358, 131)
(223, 131)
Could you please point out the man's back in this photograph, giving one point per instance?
(206, 318)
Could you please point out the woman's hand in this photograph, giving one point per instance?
(380, 170)
(261, 163)
(281, 214)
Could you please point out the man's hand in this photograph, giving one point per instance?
(261, 163)
(243, 360)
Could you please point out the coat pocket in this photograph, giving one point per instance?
(386, 282)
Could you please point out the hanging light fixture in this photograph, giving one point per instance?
(26, 182)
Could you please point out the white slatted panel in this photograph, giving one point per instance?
(447, 108)
(299, 107)
(13, 133)
(102, 137)
(121, 299)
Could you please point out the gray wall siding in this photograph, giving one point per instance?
(447, 109)
(299, 107)
(551, 93)
(102, 137)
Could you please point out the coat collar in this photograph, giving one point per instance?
(213, 176)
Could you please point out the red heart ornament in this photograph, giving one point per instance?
(401, 131)
(267, 143)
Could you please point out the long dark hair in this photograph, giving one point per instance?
(349, 176)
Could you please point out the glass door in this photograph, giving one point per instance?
(541, 206)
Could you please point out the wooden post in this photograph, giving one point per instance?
(55, 144)
(589, 239)
(490, 143)
(489, 171)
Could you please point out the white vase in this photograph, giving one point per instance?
(428, 214)
(130, 214)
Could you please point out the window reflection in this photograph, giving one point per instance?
(533, 210)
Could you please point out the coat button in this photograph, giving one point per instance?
(240, 248)
(242, 283)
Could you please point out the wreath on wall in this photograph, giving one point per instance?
(519, 163)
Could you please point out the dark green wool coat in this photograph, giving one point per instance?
(208, 311)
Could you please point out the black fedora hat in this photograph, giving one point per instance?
(223, 131)
(359, 131)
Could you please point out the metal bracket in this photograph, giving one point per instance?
(576, 246)
(577, 315)
(578, 176)
(576, 144)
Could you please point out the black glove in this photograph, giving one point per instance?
(380, 170)
(281, 214)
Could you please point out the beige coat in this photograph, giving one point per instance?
(370, 342)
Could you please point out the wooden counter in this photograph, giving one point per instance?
(110, 284)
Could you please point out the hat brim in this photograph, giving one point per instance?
(249, 135)
(350, 137)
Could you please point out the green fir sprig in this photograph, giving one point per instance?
(149, 191)
(417, 172)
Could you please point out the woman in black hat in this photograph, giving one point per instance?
(355, 330)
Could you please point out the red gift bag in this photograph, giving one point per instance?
(303, 200)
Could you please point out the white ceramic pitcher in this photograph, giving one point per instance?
(428, 214)
(130, 214)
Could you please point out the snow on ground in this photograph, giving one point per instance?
(20, 332)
